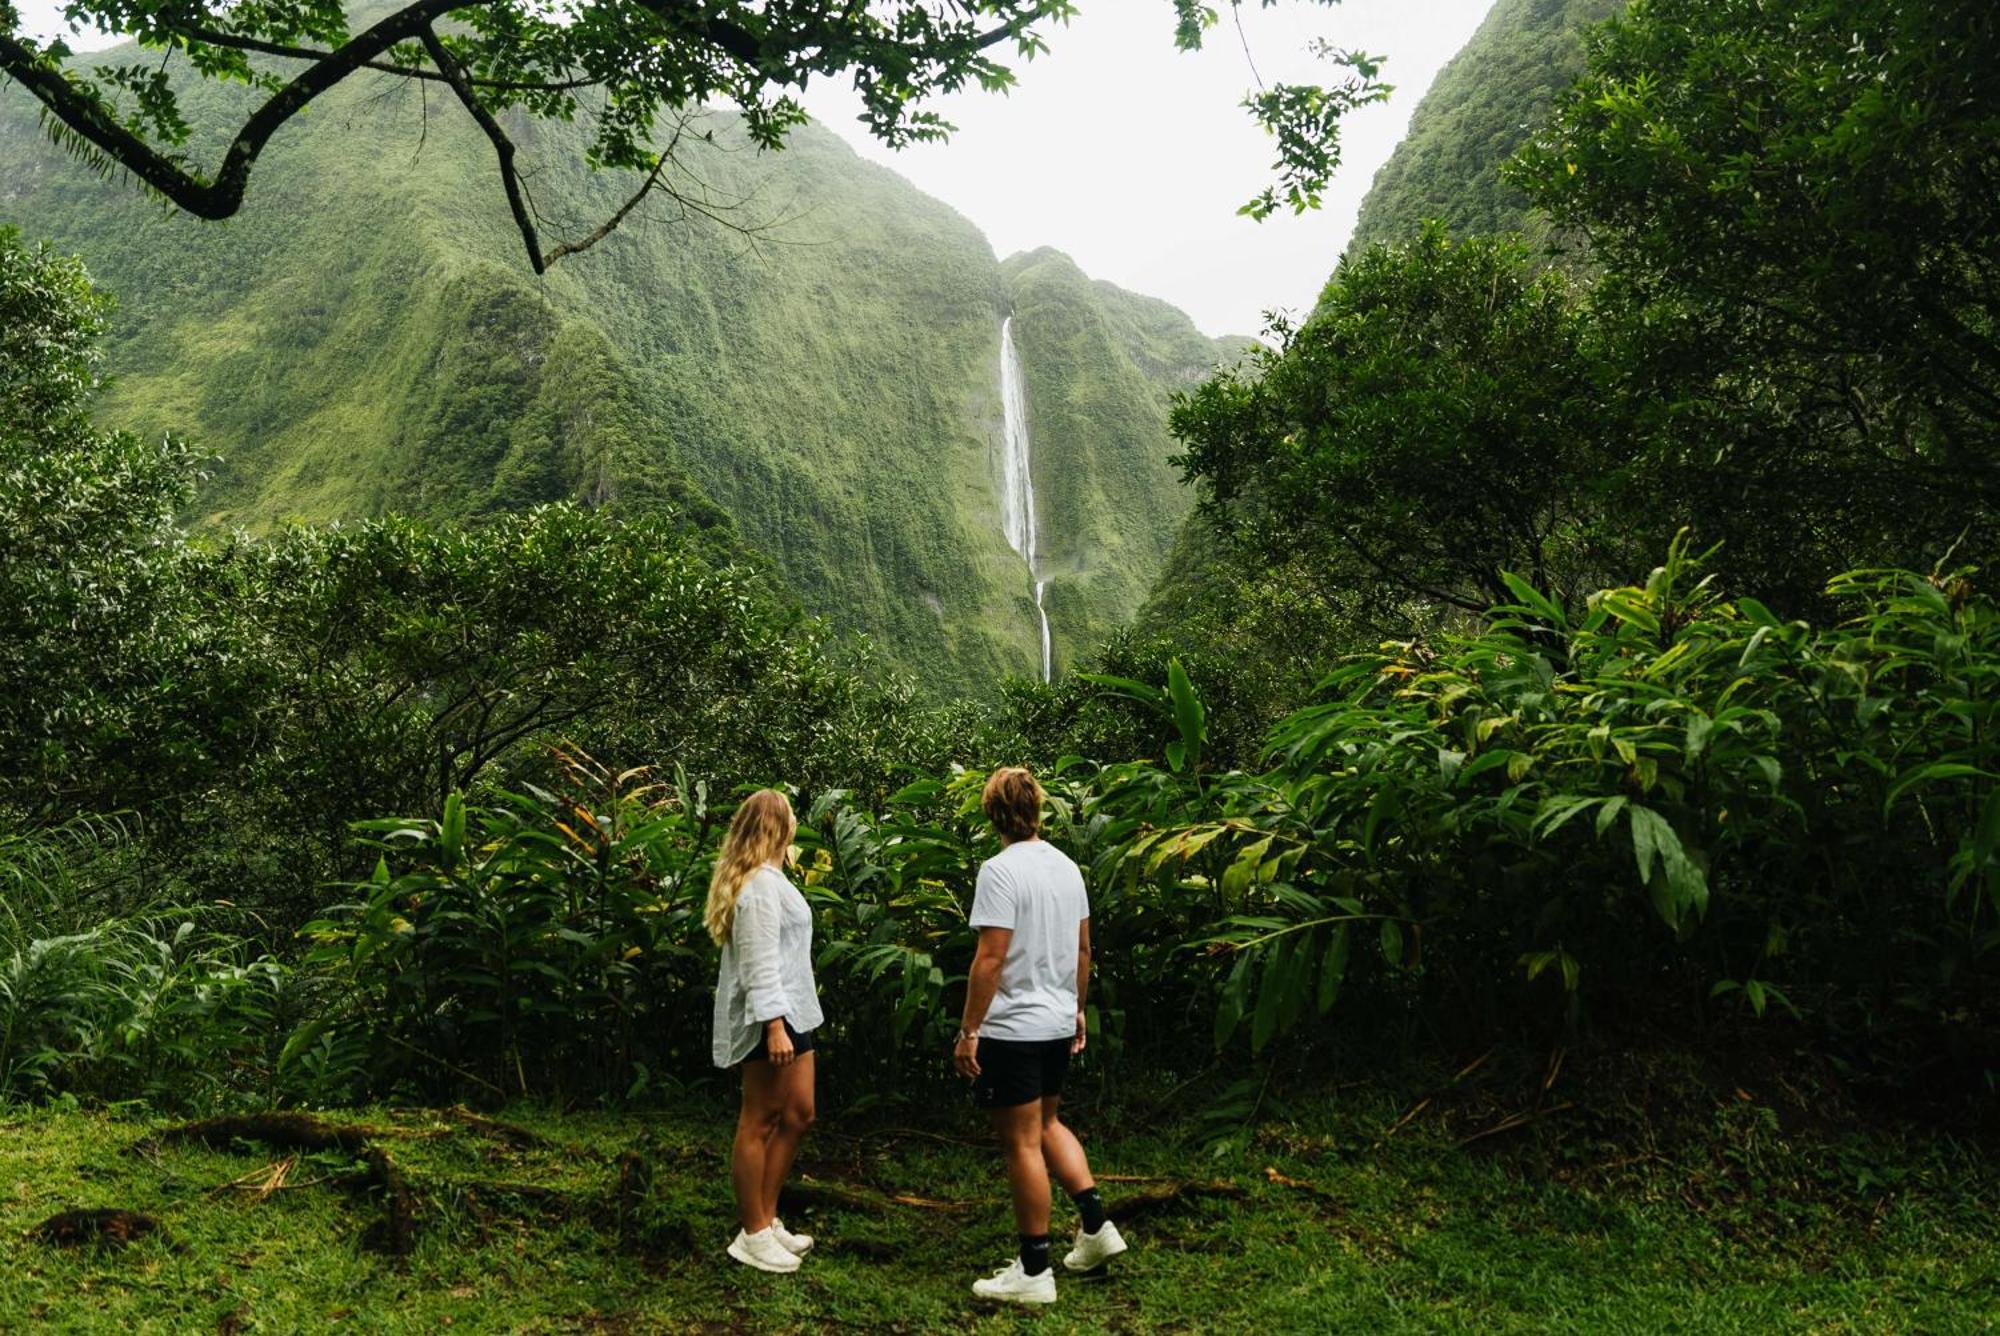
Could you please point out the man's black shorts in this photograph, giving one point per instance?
(1019, 1071)
(802, 1044)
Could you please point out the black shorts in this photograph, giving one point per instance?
(802, 1044)
(1019, 1071)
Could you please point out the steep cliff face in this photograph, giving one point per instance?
(817, 364)
(1482, 106)
(1100, 366)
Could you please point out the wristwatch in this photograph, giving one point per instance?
(963, 1035)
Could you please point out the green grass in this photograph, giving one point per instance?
(1750, 1230)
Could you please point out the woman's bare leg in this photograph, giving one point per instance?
(794, 1103)
(749, 1156)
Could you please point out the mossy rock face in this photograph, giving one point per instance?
(822, 391)
(1481, 108)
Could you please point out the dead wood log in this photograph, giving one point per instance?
(809, 1194)
(515, 1135)
(103, 1227)
(398, 1233)
(279, 1131)
(1172, 1197)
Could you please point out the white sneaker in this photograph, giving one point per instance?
(1011, 1285)
(798, 1245)
(763, 1251)
(1094, 1250)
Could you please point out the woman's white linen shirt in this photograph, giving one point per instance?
(766, 970)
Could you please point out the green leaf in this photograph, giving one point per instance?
(1609, 813)
(1189, 715)
(1929, 774)
(1270, 994)
(923, 791)
(451, 830)
(1298, 969)
(1533, 599)
(1392, 942)
(1229, 1007)
(1236, 878)
(1332, 969)
(1699, 729)
(1679, 886)
(1126, 687)
(1757, 612)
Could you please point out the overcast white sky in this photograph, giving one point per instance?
(1133, 157)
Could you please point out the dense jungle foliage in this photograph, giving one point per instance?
(1625, 669)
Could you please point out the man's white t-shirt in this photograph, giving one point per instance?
(1033, 888)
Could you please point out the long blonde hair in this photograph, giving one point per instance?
(759, 833)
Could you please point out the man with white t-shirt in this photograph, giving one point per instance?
(1023, 1022)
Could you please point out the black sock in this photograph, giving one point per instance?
(1091, 1207)
(1034, 1253)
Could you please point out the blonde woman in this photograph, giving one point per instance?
(766, 1009)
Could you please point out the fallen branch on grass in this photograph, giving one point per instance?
(809, 1194)
(279, 1131)
(1516, 1120)
(522, 1138)
(399, 1215)
(1172, 1197)
(1424, 1103)
(263, 1181)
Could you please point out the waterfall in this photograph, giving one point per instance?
(1017, 480)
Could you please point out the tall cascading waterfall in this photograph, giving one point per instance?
(1017, 481)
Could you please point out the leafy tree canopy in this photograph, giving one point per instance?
(1438, 418)
(90, 566)
(636, 67)
(1801, 202)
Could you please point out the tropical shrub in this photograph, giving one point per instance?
(1676, 801)
(544, 942)
(158, 1002)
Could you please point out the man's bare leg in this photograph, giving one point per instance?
(1062, 1152)
(1020, 1132)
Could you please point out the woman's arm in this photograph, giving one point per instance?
(759, 969)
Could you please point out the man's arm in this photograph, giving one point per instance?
(981, 983)
(1082, 983)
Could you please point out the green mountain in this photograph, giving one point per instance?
(804, 344)
(1480, 108)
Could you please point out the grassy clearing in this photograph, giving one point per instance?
(1317, 1224)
